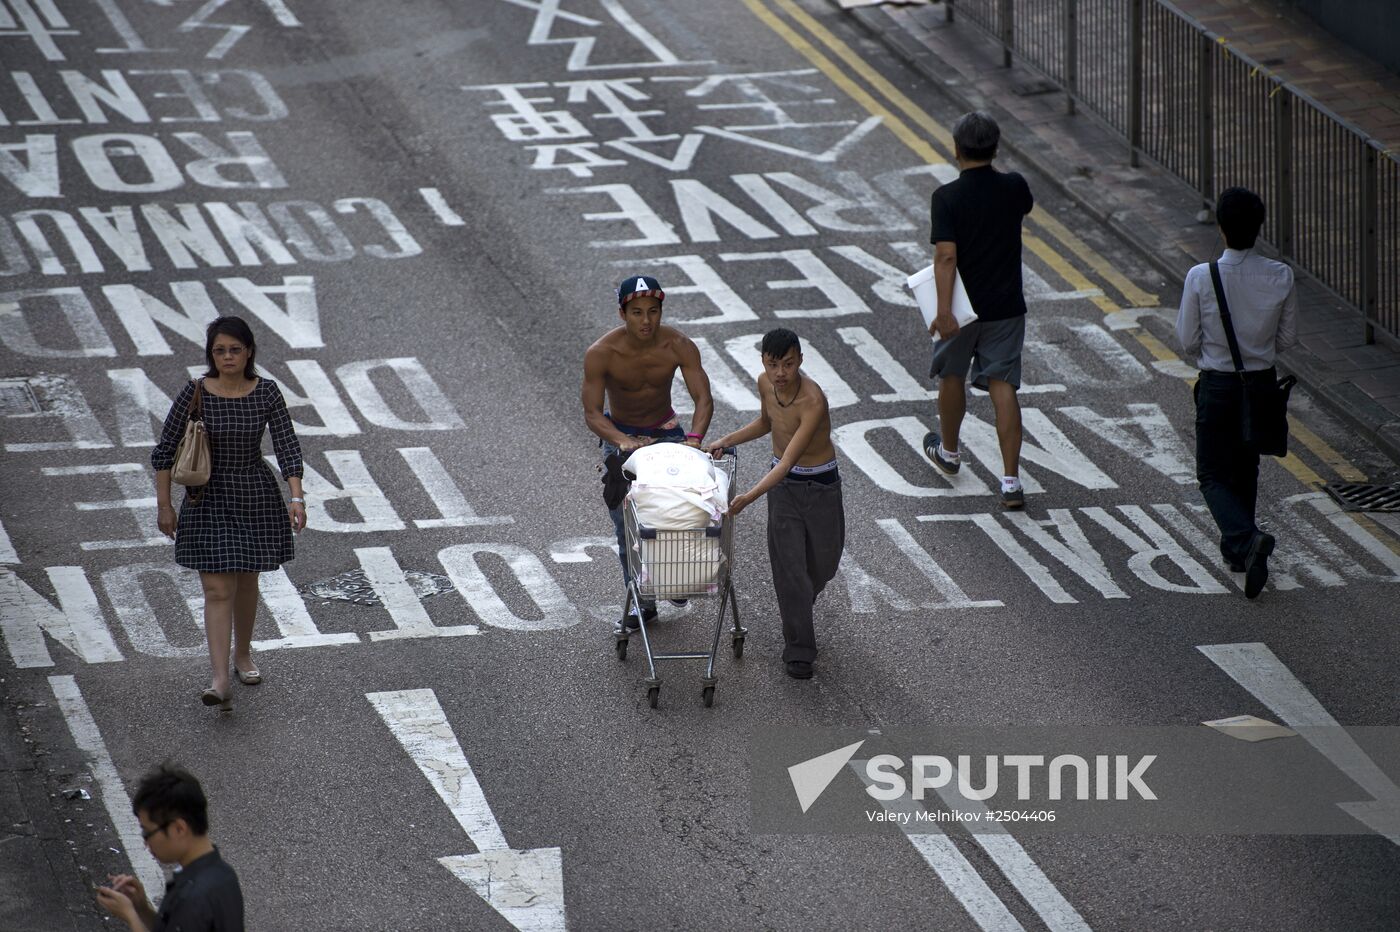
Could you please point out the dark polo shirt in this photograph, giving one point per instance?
(203, 897)
(981, 212)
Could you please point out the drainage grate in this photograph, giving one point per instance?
(16, 397)
(1363, 496)
(353, 586)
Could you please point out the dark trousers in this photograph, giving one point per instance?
(1227, 470)
(806, 534)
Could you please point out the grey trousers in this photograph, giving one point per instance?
(806, 534)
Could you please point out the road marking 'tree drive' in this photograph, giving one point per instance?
(525, 886)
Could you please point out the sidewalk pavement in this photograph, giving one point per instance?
(41, 884)
(1148, 208)
(1293, 47)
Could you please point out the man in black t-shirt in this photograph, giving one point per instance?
(977, 235)
(204, 895)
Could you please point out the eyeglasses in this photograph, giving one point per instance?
(147, 834)
(229, 350)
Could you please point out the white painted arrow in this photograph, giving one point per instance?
(1258, 670)
(525, 886)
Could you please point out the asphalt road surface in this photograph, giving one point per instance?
(423, 207)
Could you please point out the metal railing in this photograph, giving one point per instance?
(1181, 97)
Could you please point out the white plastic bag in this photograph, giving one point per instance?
(676, 487)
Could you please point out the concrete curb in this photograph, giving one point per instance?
(1339, 396)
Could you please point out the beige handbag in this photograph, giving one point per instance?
(192, 458)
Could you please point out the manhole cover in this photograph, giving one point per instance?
(354, 586)
(16, 397)
(1362, 496)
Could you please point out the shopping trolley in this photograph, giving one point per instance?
(689, 564)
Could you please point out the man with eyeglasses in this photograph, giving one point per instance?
(204, 895)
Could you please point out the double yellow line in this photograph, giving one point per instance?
(915, 127)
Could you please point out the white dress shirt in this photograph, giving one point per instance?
(1263, 308)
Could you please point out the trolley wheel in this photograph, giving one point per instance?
(653, 694)
(621, 648)
(738, 648)
(707, 696)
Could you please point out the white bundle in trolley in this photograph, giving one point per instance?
(678, 494)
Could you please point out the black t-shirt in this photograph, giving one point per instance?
(204, 897)
(981, 212)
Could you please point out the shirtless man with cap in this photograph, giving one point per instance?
(632, 367)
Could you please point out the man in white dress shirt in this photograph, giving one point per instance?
(1264, 310)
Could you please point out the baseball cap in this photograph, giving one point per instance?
(639, 286)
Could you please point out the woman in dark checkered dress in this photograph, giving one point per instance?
(237, 526)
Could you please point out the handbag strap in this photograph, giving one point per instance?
(1225, 318)
(196, 404)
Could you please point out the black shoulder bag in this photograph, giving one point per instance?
(1264, 413)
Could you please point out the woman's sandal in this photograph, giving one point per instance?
(211, 697)
(251, 678)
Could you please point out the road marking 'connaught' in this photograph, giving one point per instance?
(104, 771)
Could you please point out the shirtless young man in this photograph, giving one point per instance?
(806, 520)
(634, 365)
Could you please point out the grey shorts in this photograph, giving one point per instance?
(992, 348)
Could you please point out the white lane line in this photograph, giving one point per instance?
(89, 741)
(1013, 860)
(8, 554)
(285, 17)
(420, 724)
(434, 199)
(1258, 670)
(525, 886)
(951, 866)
